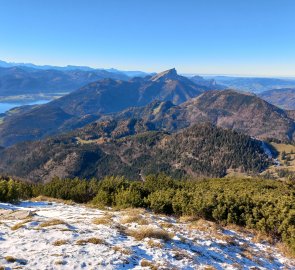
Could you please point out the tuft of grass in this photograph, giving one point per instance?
(134, 219)
(60, 242)
(260, 237)
(60, 262)
(133, 211)
(92, 240)
(155, 244)
(102, 220)
(145, 263)
(185, 219)
(247, 254)
(2, 268)
(148, 232)
(226, 238)
(285, 250)
(52, 222)
(166, 224)
(56, 255)
(43, 198)
(209, 267)
(125, 251)
(10, 259)
(205, 226)
(20, 224)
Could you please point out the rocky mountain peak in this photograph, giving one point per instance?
(167, 74)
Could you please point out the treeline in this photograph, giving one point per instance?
(264, 205)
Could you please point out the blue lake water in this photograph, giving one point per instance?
(5, 106)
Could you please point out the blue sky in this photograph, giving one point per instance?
(247, 37)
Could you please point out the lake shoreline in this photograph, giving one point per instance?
(6, 106)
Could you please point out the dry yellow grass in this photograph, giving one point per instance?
(10, 259)
(247, 254)
(96, 141)
(154, 244)
(186, 219)
(60, 263)
(20, 224)
(133, 211)
(280, 147)
(215, 230)
(43, 198)
(226, 238)
(151, 265)
(260, 237)
(60, 242)
(285, 250)
(134, 219)
(290, 152)
(237, 266)
(209, 267)
(165, 224)
(92, 240)
(125, 251)
(148, 232)
(204, 225)
(52, 222)
(257, 236)
(102, 220)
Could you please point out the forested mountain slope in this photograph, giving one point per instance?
(132, 149)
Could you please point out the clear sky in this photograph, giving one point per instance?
(246, 37)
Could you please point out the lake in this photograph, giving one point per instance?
(5, 106)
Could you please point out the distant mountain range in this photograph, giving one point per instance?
(71, 68)
(255, 85)
(17, 79)
(92, 101)
(284, 98)
(196, 104)
(24, 80)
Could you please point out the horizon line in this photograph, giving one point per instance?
(139, 70)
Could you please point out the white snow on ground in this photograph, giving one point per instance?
(33, 245)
